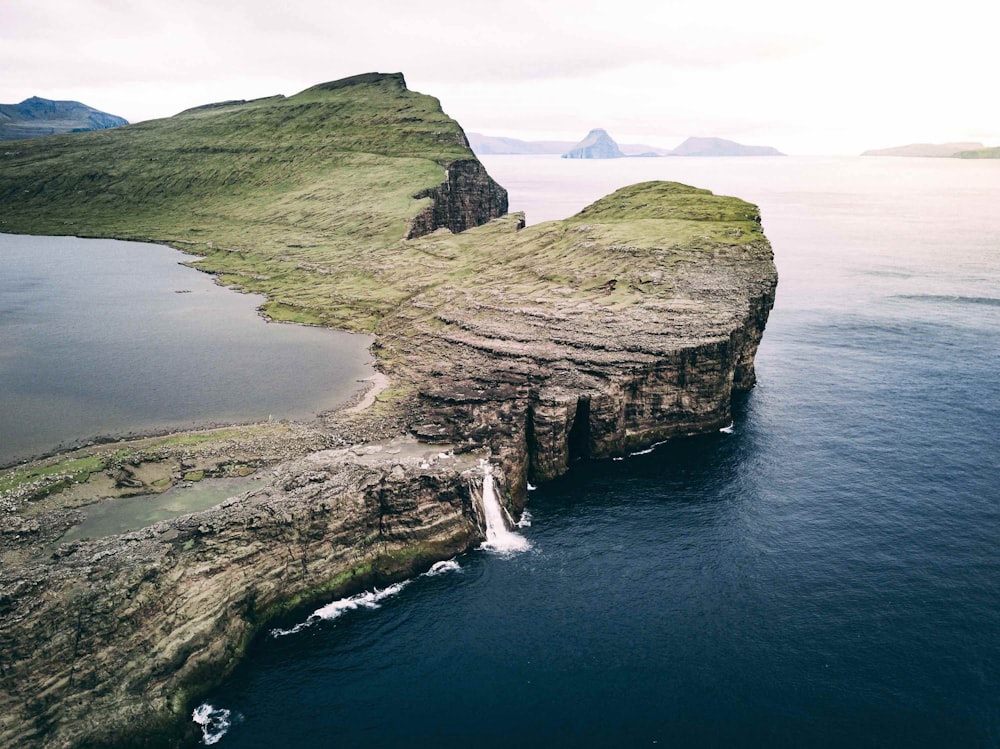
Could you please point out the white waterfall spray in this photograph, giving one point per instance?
(498, 537)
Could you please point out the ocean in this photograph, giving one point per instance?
(825, 574)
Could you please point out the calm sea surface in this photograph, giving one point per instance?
(828, 575)
(95, 340)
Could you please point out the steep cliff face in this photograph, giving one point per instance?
(468, 197)
(638, 339)
(631, 322)
(107, 640)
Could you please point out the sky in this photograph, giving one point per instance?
(807, 78)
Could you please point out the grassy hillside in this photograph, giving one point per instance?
(306, 200)
(281, 192)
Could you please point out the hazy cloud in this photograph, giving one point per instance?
(818, 76)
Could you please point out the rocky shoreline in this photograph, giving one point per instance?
(633, 322)
(111, 641)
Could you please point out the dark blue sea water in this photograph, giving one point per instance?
(827, 575)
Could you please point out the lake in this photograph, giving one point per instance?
(102, 338)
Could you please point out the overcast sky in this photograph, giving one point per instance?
(835, 77)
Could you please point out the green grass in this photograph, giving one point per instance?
(59, 473)
(306, 200)
(983, 153)
(279, 193)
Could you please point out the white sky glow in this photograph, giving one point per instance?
(803, 77)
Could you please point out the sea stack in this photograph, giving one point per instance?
(597, 145)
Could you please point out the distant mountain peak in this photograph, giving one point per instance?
(36, 117)
(597, 145)
(699, 146)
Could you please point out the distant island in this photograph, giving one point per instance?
(721, 147)
(496, 145)
(597, 145)
(979, 153)
(598, 141)
(935, 150)
(37, 117)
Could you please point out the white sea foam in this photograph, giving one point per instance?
(440, 568)
(649, 449)
(498, 537)
(525, 521)
(531, 487)
(728, 429)
(214, 722)
(370, 599)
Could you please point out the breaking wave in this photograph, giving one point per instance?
(214, 722)
(440, 568)
(370, 599)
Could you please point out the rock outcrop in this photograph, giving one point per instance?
(37, 117)
(597, 145)
(468, 197)
(632, 322)
(105, 641)
(601, 364)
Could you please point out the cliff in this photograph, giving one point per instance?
(632, 322)
(37, 117)
(597, 145)
(468, 197)
(282, 193)
(105, 641)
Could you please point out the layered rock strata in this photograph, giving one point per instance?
(468, 197)
(644, 339)
(105, 642)
(629, 323)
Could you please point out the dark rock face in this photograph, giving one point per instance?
(37, 117)
(556, 376)
(106, 641)
(468, 197)
(578, 339)
(597, 145)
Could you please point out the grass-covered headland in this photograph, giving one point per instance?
(283, 195)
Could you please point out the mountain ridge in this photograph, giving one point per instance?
(36, 117)
(489, 145)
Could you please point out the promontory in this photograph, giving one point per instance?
(356, 204)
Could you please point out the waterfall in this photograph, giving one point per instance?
(498, 537)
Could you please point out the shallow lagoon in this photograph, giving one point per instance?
(101, 337)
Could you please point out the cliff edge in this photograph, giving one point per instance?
(354, 203)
